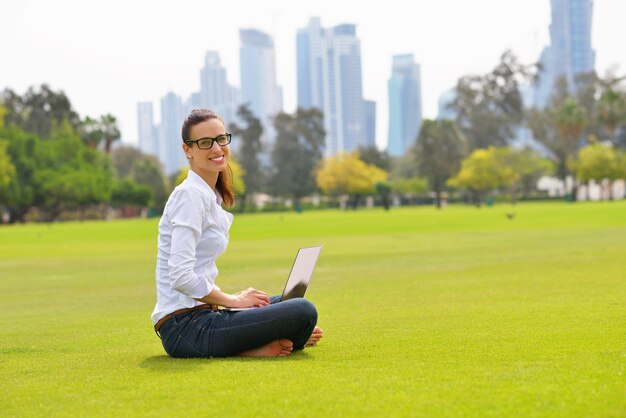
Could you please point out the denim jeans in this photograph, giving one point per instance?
(205, 333)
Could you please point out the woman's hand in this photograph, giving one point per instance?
(250, 297)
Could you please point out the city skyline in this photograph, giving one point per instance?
(109, 60)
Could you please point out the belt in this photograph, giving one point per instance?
(161, 321)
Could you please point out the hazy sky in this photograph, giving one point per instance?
(109, 55)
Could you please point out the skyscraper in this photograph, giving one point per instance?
(570, 52)
(170, 142)
(148, 135)
(215, 92)
(405, 104)
(259, 88)
(329, 78)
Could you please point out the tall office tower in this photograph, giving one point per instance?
(405, 104)
(570, 52)
(329, 78)
(148, 135)
(258, 78)
(215, 92)
(370, 123)
(170, 142)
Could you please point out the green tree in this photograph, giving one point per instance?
(410, 188)
(127, 192)
(348, 174)
(123, 158)
(7, 169)
(439, 150)
(489, 107)
(148, 171)
(38, 110)
(612, 112)
(249, 151)
(373, 156)
(71, 176)
(483, 170)
(100, 131)
(527, 167)
(384, 189)
(298, 149)
(19, 194)
(598, 162)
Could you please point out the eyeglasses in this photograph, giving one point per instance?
(206, 143)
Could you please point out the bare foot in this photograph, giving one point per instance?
(317, 335)
(278, 348)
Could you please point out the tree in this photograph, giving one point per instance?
(250, 149)
(439, 150)
(70, 175)
(371, 155)
(384, 189)
(481, 171)
(410, 188)
(127, 192)
(24, 150)
(348, 174)
(612, 112)
(488, 108)
(123, 158)
(7, 169)
(527, 167)
(298, 149)
(598, 162)
(148, 171)
(39, 110)
(100, 131)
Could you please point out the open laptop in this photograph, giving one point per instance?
(300, 276)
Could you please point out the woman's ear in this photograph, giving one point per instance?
(187, 150)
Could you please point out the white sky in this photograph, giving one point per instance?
(109, 55)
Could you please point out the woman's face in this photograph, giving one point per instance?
(212, 160)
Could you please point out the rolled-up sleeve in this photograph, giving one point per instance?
(186, 218)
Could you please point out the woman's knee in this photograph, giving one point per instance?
(305, 308)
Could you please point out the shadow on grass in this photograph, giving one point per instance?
(165, 363)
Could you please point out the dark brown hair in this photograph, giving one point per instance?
(224, 178)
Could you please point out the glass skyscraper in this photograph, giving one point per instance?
(215, 92)
(405, 104)
(259, 88)
(570, 52)
(329, 78)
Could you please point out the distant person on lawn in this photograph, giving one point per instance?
(193, 232)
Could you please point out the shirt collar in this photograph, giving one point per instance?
(195, 178)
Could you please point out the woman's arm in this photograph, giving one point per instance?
(245, 299)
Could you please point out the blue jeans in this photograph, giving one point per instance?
(205, 333)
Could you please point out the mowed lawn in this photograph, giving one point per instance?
(458, 312)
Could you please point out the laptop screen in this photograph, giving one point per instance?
(301, 272)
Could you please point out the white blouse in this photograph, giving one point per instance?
(193, 232)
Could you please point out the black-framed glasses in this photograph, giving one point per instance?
(206, 143)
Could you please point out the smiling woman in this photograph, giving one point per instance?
(193, 233)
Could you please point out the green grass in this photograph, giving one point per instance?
(459, 312)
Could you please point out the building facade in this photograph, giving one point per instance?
(405, 104)
(259, 88)
(570, 52)
(329, 78)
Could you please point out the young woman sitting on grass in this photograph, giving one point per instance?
(193, 232)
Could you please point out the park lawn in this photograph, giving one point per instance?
(458, 312)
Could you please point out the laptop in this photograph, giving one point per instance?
(300, 276)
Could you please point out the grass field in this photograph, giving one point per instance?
(460, 312)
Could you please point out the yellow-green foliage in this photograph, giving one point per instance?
(347, 173)
(483, 170)
(598, 161)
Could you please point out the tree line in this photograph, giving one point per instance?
(53, 161)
